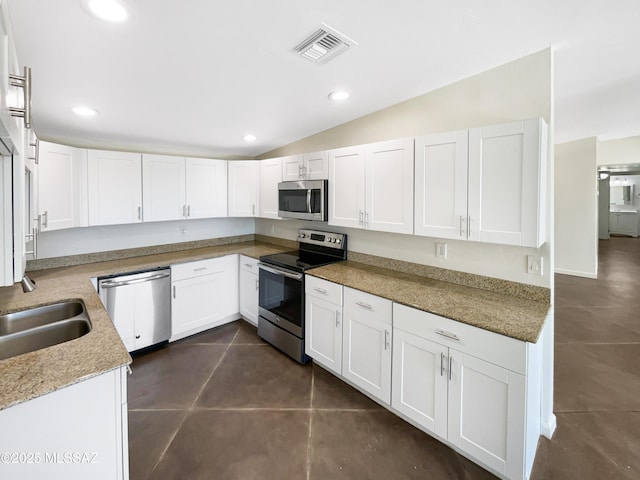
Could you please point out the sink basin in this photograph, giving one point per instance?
(40, 327)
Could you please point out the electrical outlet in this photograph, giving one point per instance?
(441, 250)
(182, 230)
(534, 264)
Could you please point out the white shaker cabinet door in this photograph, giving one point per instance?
(206, 188)
(389, 186)
(420, 378)
(243, 188)
(163, 187)
(292, 168)
(346, 187)
(115, 187)
(60, 184)
(323, 333)
(270, 176)
(441, 185)
(249, 290)
(316, 165)
(507, 183)
(487, 413)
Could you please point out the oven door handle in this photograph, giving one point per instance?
(277, 271)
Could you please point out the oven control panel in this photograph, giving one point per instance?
(327, 239)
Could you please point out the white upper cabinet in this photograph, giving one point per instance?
(441, 185)
(371, 186)
(389, 186)
(486, 184)
(346, 187)
(61, 185)
(243, 188)
(114, 187)
(270, 176)
(308, 166)
(163, 187)
(175, 188)
(507, 183)
(206, 188)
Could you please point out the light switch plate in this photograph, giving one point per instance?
(441, 250)
(534, 264)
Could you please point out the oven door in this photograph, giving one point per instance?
(281, 298)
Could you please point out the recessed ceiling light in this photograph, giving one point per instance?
(85, 111)
(249, 138)
(108, 10)
(338, 95)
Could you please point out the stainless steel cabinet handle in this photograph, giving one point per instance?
(23, 82)
(450, 367)
(39, 227)
(36, 156)
(461, 225)
(188, 210)
(320, 290)
(337, 318)
(366, 219)
(45, 222)
(364, 305)
(257, 284)
(253, 209)
(277, 271)
(449, 335)
(113, 284)
(442, 364)
(249, 265)
(360, 215)
(174, 291)
(386, 339)
(199, 269)
(184, 211)
(139, 213)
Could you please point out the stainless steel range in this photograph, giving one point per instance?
(281, 299)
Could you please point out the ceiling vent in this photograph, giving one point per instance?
(323, 45)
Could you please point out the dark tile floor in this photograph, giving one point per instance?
(224, 405)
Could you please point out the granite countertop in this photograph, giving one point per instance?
(514, 317)
(34, 374)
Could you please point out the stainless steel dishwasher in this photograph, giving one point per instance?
(139, 305)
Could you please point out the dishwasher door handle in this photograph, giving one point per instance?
(111, 284)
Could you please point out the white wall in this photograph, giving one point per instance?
(518, 90)
(74, 241)
(576, 208)
(623, 151)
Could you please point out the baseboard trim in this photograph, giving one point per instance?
(576, 273)
(549, 427)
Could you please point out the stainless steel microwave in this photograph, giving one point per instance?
(305, 200)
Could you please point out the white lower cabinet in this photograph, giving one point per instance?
(81, 432)
(204, 294)
(249, 289)
(366, 354)
(323, 323)
(468, 387)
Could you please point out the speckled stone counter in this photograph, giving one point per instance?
(514, 317)
(34, 374)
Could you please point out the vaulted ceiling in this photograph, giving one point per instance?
(195, 76)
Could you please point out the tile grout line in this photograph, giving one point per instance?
(188, 410)
(313, 382)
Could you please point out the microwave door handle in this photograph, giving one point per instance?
(309, 200)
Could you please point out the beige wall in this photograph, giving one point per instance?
(518, 90)
(576, 208)
(623, 151)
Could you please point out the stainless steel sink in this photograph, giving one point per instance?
(40, 327)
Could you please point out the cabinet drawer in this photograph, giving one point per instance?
(492, 347)
(249, 264)
(329, 291)
(379, 306)
(197, 268)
